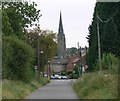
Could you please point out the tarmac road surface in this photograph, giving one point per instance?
(56, 89)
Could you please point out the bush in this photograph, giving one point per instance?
(75, 73)
(108, 62)
(17, 59)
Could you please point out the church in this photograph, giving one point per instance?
(59, 63)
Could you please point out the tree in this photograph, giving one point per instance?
(109, 27)
(18, 16)
(92, 39)
(46, 44)
(72, 51)
(6, 26)
(75, 73)
(18, 59)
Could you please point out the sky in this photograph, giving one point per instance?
(76, 18)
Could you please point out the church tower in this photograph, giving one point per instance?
(61, 40)
(59, 63)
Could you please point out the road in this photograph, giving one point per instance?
(56, 89)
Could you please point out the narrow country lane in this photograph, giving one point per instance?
(56, 89)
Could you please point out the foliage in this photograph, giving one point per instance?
(20, 89)
(63, 73)
(109, 31)
(17, 59)
(6, 26)
(102, 86)
(17, 16)
(75, 73)
(108, 62)
(76, 69)
(45, 42)
(72, 51)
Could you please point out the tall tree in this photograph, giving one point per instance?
(18, 16)
(109, 18)
(92, 39)
(43, 40)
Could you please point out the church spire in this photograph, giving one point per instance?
(60, 30)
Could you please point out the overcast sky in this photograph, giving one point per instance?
(76, 17)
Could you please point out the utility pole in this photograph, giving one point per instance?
(81, 60)
(39, 52)
(42, 62)
(38, 58)
(99, 47)
(48, 70)
(79, 57)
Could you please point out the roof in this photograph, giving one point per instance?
(71, 60)
(60, 30)
(59, 61)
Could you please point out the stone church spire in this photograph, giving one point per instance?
(59, 63)
(61, 40)
(60, 30)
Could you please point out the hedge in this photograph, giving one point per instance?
(17, 59)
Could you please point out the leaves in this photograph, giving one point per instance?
(109, 31)
(18, 16)
(46, 43)
(17, 59)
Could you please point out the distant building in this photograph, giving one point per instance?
(59, 63)
(61, 40)
(71, 61)
(76, 59)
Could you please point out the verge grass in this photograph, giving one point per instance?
(20, 89)
(0, 90)
(97, 86)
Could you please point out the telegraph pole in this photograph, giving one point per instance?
(81, 60)
(79, 57)
(38, 58)
(105, 21)
(39, 52)
(99, 47)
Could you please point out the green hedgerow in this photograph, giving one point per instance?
(17, 59)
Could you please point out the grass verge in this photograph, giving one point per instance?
(97, 86)
(0, 90)
(20, 89)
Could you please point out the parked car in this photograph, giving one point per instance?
(52, 77)
(45, 75)
(56, 76)
(63, 77)
(59, 77)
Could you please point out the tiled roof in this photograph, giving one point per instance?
(71, 60)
